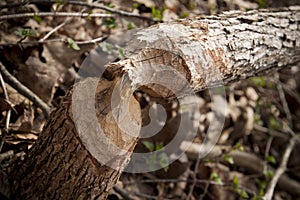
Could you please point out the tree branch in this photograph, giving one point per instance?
(89, 5)
(6, 126)
(24, 90)
(248, 161)
(55, 14)
(281, 169)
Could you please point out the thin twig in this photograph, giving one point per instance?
(274, 133)
(55, 14)
(5, 130)
(283, 101)
(281, 169)
(205, 192)
(123, 193)
(147, 196)
(16, 4)
(89, 5)
(92, 41)
(58, 27)
(189, 196)
(171, 181)
(267, 151)
(24, 90)
(54, 30)
(119, 12)
(249, 161)
(291, 92)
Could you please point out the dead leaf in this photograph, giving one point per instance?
(39, 77)
(26, 120)
(5, 105)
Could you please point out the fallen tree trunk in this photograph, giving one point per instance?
(74, 161)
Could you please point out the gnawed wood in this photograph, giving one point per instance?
(217, 50)
(62, 166)
(186, 55)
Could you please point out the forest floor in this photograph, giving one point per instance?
(45, 54)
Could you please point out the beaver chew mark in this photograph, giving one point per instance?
(167, 58)
(159, 61)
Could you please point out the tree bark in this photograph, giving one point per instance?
(59, 166)
(217, 50)
(205, 51)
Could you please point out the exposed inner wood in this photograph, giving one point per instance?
(67, 162)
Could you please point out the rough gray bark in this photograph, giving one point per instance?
(205, 51)
(219, 49)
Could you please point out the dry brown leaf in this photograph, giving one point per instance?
(39, 77)
(26, 120)
(61, 53)
(14, 96)
(5, 105)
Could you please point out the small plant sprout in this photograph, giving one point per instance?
(26, 32)
(110, 23)
(228, 159)
(271, 159)
(216, 178)
(238, 146)
(72, 44)
(157, 158)
(157, 13)
(237, 188)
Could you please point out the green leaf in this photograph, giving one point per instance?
(274, 124)
(271, 159)
(151, 162)
(215, 177)
(191, 5)
(121, 52)
(228, 159)
(110, 23)
(60, 2)
(244, 194)
(135, 6)
(269, 173)
(257, 120)
(131, 26)
(235, 181)
(110, 5)
(156, 13)
(164, 161)
(262, 4)
(257, 197)
(261, 183)
(72, 44)
(238, 146)
(89, 15)
(184, 15)
(159, 146)
(37, 18)
(107, 47)
(259, 81)
(149, 145)
(25, 32)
